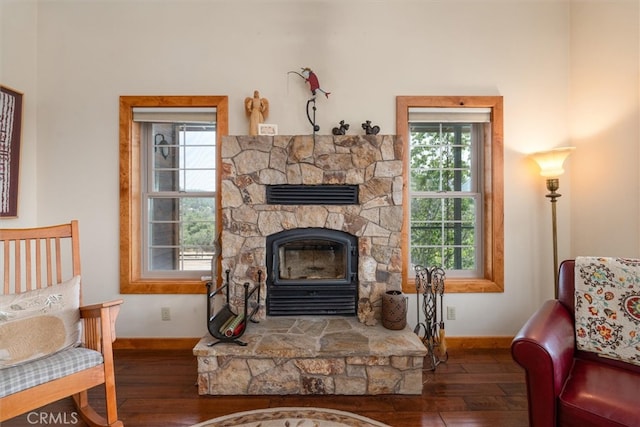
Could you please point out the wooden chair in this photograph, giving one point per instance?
(37, 258)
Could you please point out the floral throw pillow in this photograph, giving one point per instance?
(38, 323)
(608, 307)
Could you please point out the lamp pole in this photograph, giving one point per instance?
(552, 185)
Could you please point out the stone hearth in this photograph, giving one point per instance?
(312, 356)
(371, 162)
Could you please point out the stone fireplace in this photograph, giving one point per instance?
(252, 166)
(321, 217)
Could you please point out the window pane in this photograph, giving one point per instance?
(165, 180)
(423, 233)
(426, 209)
(184, 158)
(199, 157)
(426, 257)
(458, 259)
(181, 233)
(198, 161)
(460, 234)
(441, 157)
(184, 180)
(193, 180)
(444, 229)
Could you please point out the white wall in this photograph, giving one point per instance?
(18, 68)
(366, 53)
(604, 123)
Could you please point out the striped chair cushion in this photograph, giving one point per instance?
(58, 365)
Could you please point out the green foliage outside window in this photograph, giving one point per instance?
(443, 190)
(198, 227)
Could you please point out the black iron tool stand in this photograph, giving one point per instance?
(430, 285)
(227, 325)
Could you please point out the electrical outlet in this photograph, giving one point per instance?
(165, 313)
(451, 312)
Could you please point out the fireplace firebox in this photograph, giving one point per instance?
(312, 271)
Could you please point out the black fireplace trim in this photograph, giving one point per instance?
(322, 194)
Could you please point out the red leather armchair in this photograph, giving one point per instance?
(566, 386)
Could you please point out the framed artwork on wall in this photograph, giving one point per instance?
(10, 127)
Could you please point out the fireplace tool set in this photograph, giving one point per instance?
(227, 325)
(430, 285)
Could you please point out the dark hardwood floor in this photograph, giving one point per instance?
(157, 388)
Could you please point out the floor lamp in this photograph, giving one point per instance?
(550, 163)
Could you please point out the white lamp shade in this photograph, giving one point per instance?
(551, 161)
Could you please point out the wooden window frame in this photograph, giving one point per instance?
(131, 280)
(493, 187)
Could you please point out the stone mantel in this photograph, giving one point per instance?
(372, 162)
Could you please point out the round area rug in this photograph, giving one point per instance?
(292, 417)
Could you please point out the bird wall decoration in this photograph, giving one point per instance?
(314, 86)
(310, 77)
